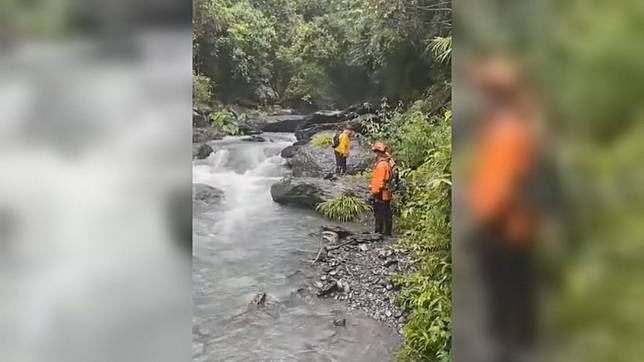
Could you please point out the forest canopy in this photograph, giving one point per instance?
(318, 54)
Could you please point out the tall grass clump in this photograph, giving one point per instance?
(322, 140)
(344, 208)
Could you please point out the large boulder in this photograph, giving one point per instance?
(279, 123)
(321, 118)
(201, 135)
(360, 108)
(308, 192)
(254, 138)
(313, 161)
(206, 195)
(248, 129)
(289, 151)
(199, 120)
(357, 124)
(201, 151)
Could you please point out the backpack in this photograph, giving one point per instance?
(394, 179)
(336, 140)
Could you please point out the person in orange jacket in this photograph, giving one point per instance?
(380, 193)
(506, 218)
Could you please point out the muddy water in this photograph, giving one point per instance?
(249, 244)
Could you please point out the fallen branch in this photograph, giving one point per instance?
(329, 248)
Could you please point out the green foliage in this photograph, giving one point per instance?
(202, 92)
(424, 222)
(327, 53)
(322, 140)
(225, 121)
(344, 208)
(441, 48)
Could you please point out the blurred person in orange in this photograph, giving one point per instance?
(381, 192)
(506, 218)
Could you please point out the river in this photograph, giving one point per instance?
(249, 244)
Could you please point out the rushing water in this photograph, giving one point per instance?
(249, 244)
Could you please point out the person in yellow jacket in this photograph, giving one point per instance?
(342, 151)
(380, 194)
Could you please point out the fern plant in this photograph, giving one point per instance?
(345, 208)
(441, 48)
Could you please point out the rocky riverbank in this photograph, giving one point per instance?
(357, 268)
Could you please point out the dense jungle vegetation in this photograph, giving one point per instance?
(329, 54)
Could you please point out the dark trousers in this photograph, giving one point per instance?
(340, 163)
(383, 216)
(510, 277)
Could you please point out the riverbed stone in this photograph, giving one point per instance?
(201, 151)
(308, 192)
(206, 195)
(279, 122)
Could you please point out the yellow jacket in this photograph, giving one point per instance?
(343, 147)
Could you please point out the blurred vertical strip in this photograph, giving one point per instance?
(582, 64)
(95, 193)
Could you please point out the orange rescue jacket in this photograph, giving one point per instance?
(379, 179)
(504, 159)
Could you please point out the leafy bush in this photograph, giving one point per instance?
(322, 140)
(225, 121)
(344, 208)
(424, 223)
(202, 92)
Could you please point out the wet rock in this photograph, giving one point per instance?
(360, 108)
(199, 120)
(201, 151)
(247, 129)
(364, 238)
(328, 289)
(330, 237)
(259, 299)
(305, 192)
(284, 112)
(279, 123)
(254, 138)
(306, 131)
(201, 135)
(309, 192)
(288, 152)
(389, 262)
(342, 232)
(385, 253)
(341, 322)
(330, 176)
(206, 194)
